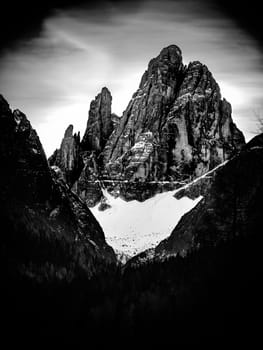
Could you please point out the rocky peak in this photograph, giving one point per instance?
(150, 104)
(4, 106)
(190, 125)
(198, 79)
(67, 157)
(99, 125)
(69, 131)
(164, 68)
(176, 127)
(200, 127)
(255, 143)
(47, 232)
(23, 156)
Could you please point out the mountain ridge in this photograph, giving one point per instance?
(176, 127)
(48, 233)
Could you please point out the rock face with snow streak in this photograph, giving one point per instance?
(47, 232)
(200, 186)
(176, 127)
(231, 207)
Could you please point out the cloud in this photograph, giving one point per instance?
(54, 77)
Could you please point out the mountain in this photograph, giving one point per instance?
(231, 206)
(176, 125)
(60, 279)
(67, 156)
(47, 232)
(175, 128)
(100, 124)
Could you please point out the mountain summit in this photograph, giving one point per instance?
(175, 128)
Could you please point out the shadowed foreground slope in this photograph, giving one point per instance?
(47, 233)
(60, 282)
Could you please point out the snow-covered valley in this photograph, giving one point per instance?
(132, 227)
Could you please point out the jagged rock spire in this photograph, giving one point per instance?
(176, 127)
(99, 125)
(69, 131)
(150, 104)
(67, 157)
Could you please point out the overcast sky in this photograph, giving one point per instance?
(54, 75)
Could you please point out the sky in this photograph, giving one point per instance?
(52, 69)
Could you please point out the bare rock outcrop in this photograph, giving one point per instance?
(67, 157)
(175, 128)
(100, 124)
(230, 208)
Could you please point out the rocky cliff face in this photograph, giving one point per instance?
(99, 128)
(80, 162)
(144, 116)
(230, 208)
(88, 185)
(47, 232)
(100, 124)
(175, 128)
(67, 157)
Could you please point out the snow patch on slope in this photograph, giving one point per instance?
(132, 227)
